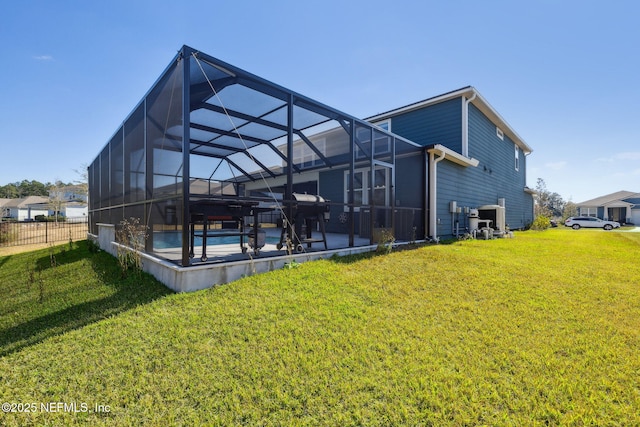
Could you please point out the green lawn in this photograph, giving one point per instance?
(543, 329)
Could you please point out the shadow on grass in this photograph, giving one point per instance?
(129, 292)
(62, 254)
(4, 259)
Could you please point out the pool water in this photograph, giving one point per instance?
(173, 239)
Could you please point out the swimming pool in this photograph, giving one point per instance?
(173, 239)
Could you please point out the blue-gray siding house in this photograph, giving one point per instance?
(213, 151)
(621, 206)
(474, 160)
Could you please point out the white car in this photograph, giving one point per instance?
(590, 222)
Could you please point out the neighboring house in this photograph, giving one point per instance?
(4, 213)
(27, 208)
(74, 211)
(71, 193)
(621, 206)
(476, 160)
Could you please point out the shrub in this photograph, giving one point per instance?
(131, 235)
(385, 239)
(541, 223)
(6, 233)
(44, 218)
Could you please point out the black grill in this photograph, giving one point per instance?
(304, 210)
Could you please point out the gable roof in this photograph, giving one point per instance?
(609, 198)
(26, 202)
(479, 102)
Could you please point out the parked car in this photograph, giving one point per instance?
(590, 222)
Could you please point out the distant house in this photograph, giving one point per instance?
(25, 209)
(4, 213)
(75, 211)
(70, 193)
(621, 206)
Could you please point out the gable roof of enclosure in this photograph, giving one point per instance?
(244, 123)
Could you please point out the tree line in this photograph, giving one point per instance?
(551, 205)
(26, 188)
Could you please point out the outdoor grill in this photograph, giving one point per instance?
(229, 215)
(304, 210)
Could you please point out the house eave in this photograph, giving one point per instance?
(452, 156)
(479, 102)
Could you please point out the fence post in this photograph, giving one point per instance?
(46, 231)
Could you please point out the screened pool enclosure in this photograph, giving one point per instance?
(214, 154)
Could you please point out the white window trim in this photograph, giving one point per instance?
(499, 133)
(387, 150)
(302, 152)
(365, 187)
(517, 157)
(384, 124)
(590, 211)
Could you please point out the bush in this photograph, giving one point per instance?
(131, 235)
(541, 223)
(44, 218)
(385, 239)
(6, 233)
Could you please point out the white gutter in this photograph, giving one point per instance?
(442, 152)
(465, 123)
(433, 214)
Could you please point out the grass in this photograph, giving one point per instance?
(60, 288)
(543, 329)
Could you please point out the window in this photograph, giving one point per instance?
(361, 187)
(517, 157)
(305, 157)
(499, 133)
(590, 211)
(386, 125)
(381, 146)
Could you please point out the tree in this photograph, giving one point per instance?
(570, 209)
(83, 178)
(547, 204)
(56, 198)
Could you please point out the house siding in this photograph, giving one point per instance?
(331, 187)
(408, 192)
(410, 182)
(494, 178)
(437, 124)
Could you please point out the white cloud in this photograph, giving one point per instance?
(556, 166)
(43, 58)
(627, 155)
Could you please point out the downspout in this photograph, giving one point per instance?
(433, 214)
(465, 124)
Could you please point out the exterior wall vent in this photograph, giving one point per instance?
(499, 133)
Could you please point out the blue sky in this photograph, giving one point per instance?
(563, 74)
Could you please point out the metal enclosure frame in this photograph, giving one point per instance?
(207, 111)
